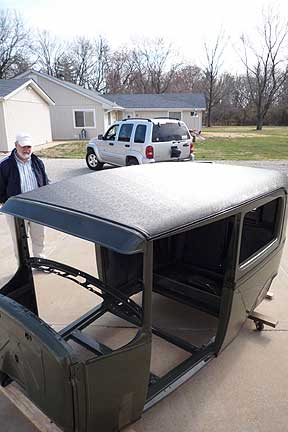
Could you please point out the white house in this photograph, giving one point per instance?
(24, 106)
(80, 112)
(77, 110)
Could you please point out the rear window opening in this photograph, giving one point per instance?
(163, 132)
(260, 227)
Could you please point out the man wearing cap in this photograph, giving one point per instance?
(21, 172)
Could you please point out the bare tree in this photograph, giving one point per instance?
(82, 56)
(102, 59)
(188, 78)
(155, 65)
(14, 44)
(91, 61)
(51, 56)
(120, 74)
(266, 66)
(212, 81)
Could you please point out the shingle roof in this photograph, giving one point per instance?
(8, 86)
(164, 100)
(90, 93)
(74, 87)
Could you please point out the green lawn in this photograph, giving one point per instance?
(222, 143)
(69, 150)
(243, 143)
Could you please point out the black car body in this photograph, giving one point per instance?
(207, 237)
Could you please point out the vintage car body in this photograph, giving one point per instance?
(206, 236)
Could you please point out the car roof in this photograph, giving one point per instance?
(122, 208)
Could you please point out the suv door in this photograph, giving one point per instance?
(116, 149)
(165, 136)
(123, 143)
(108, 141)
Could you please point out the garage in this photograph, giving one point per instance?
(24, 106)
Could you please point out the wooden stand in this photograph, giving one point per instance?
(34, 415)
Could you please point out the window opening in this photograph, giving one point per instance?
(260, 227)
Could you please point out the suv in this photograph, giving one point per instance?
(141, 141)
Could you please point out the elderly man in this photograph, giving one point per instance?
(21, 172)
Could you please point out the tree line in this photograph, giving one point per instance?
(258, 95)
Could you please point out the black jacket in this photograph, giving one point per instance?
(10, 184)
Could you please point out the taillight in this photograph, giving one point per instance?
(149, 152)
(191, 148)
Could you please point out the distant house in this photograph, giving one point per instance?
(182, 106)
(24, 106)
(79, 112)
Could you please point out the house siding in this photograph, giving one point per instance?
(146, 114)
(62, 114)
(27, 111)
(3, 136)
(192, 122)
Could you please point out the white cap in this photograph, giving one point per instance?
(23, 139)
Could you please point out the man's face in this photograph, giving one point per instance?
(24, 153)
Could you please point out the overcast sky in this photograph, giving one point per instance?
(187, 24)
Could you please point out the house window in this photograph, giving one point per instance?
(260, 227)
(84, 118)
(175, 115)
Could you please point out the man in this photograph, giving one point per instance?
(21, 172)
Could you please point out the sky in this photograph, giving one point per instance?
(186, 24)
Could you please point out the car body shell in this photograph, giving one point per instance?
(214, 248)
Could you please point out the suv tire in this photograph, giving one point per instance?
(132, 161)
(92, 161)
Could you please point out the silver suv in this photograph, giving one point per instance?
(141, 141)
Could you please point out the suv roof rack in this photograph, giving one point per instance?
(136, 118)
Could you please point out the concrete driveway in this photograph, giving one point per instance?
(245, 389)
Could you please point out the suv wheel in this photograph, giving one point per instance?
(132, 161)
(92, 161)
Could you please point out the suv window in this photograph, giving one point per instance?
(125, 132)
(260, 227)
(169, 131)
(140, 134)
(111, 133)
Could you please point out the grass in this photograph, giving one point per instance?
(69, 150)
(221, 143)
(243, 143)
